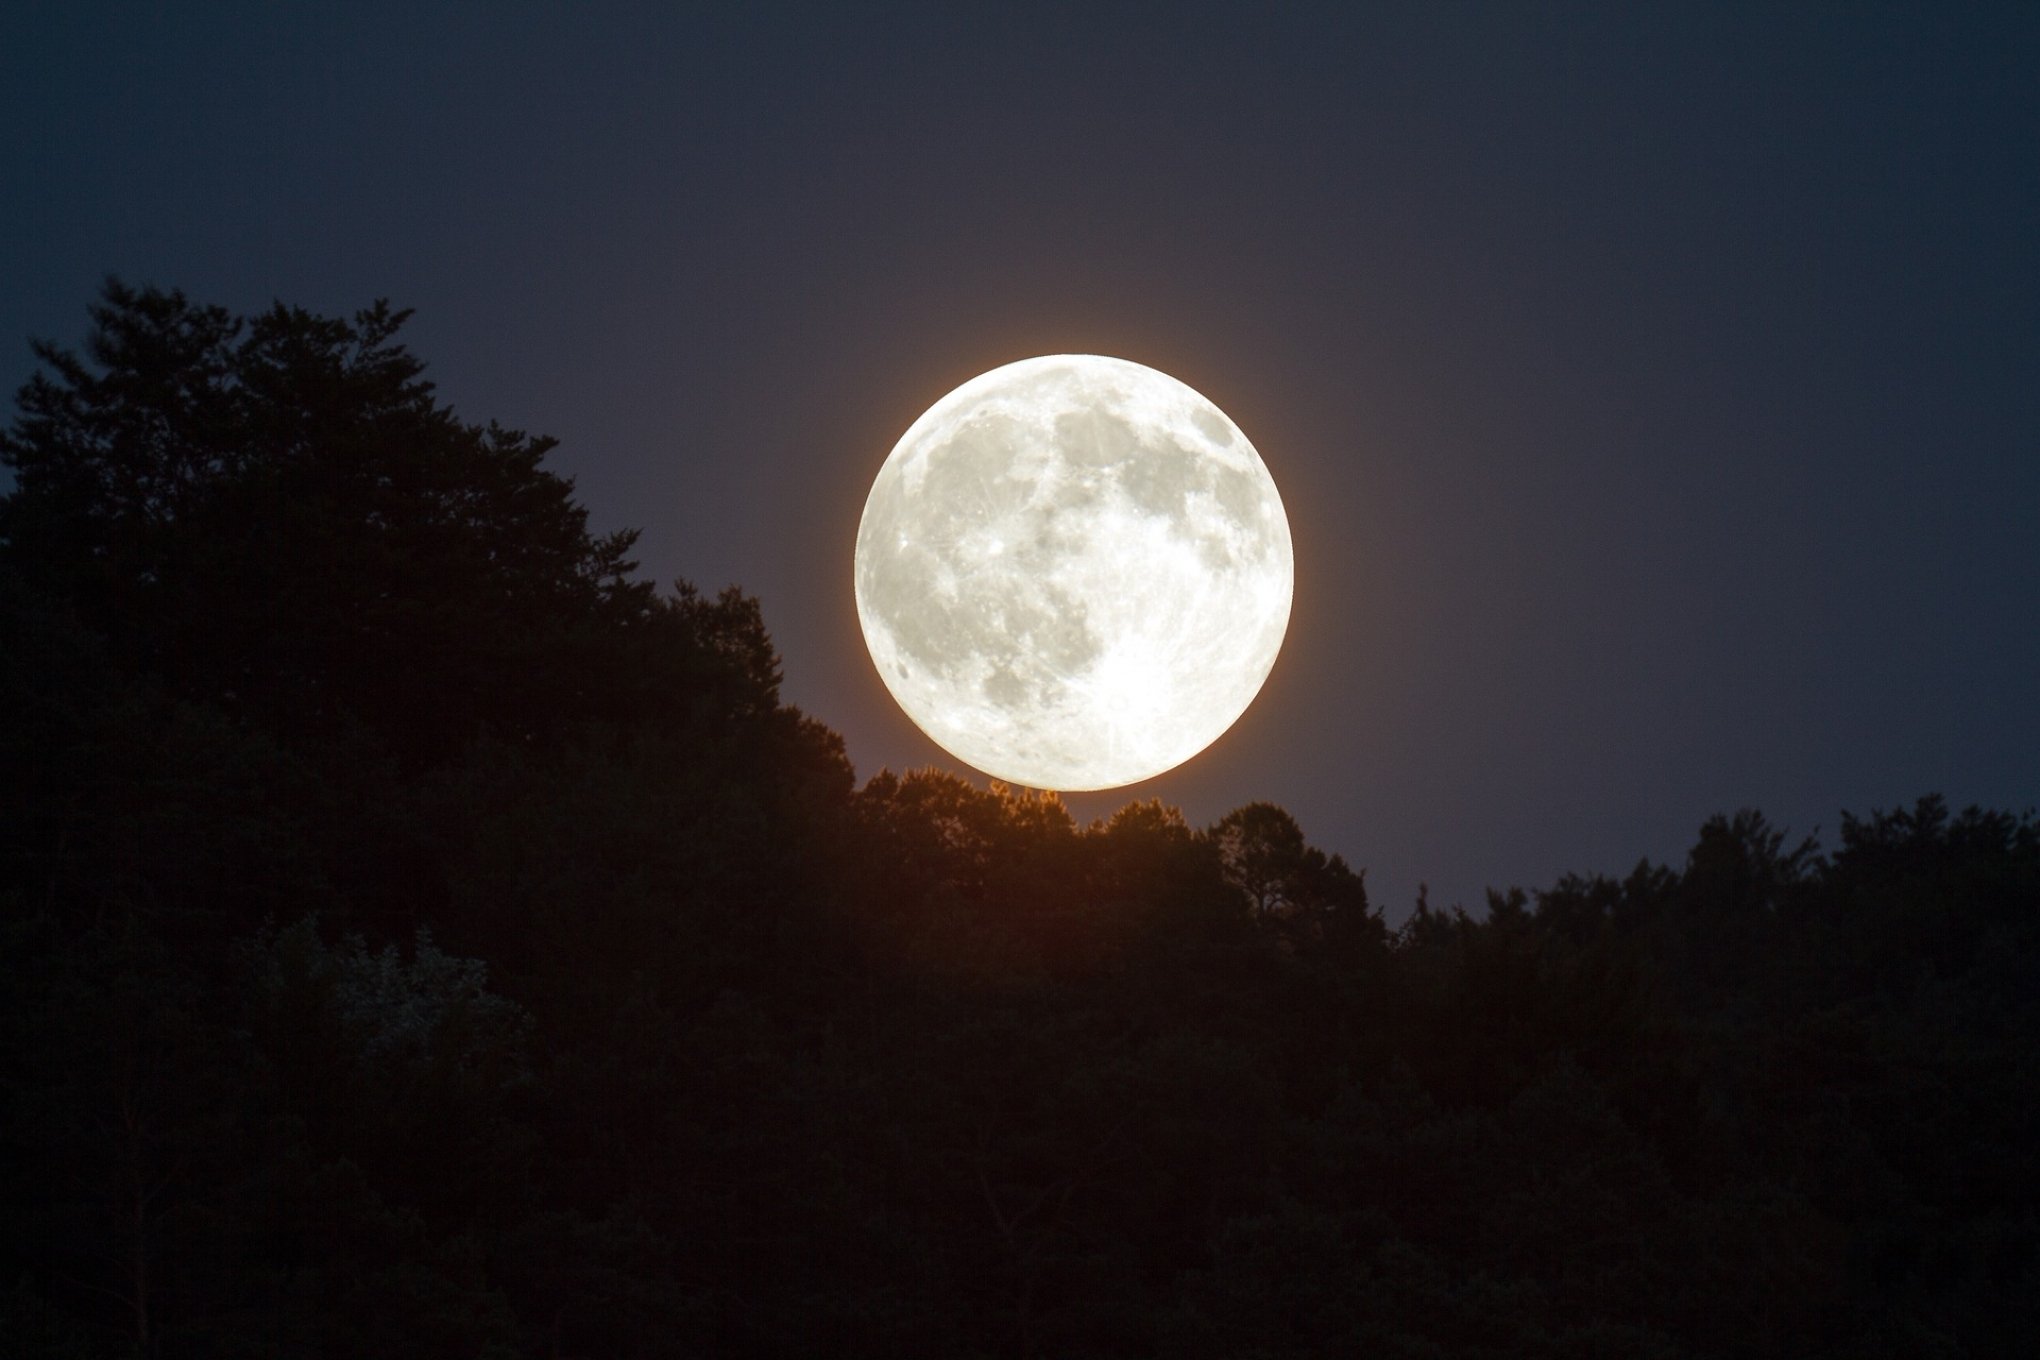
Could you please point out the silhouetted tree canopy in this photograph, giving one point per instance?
(418, 936)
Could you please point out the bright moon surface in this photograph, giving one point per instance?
(1074, 572)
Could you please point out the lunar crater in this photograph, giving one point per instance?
(1074, 572)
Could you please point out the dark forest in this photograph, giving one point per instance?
(420, 936)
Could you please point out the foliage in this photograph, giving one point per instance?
(419, 937)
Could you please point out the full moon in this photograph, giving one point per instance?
(1074, 572)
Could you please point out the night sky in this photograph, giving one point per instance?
(1655, 391)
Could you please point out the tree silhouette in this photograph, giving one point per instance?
(275, 514)
(419, 937)
(1290, 885)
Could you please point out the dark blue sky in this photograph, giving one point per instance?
(1655, 390)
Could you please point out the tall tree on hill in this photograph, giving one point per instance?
(276, 515)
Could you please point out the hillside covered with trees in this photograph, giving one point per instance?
(420, 936)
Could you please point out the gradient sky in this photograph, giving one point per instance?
(1655, 390)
